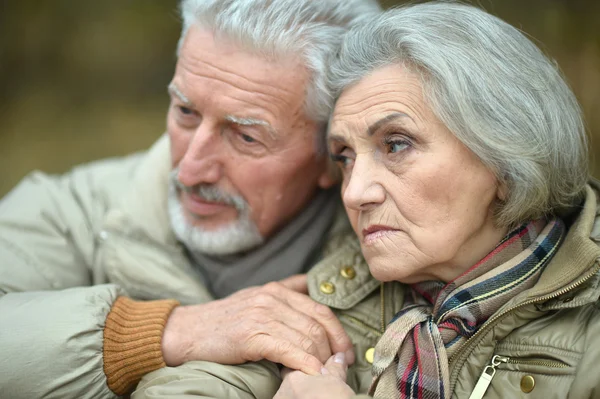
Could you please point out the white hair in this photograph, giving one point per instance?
(240, 235)
(311, 29)
(493, 88)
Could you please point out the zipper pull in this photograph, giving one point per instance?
(486, 377)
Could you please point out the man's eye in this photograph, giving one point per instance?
(247, 139)
(185, 110)
(342, 160)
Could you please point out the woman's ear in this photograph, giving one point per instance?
(502, 191)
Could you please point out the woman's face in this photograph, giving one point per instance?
(419, 200)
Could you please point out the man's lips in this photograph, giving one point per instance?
(375, 232)
(200, 207)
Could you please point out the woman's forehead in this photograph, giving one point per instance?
(387, 89)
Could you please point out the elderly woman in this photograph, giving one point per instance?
(464, 164)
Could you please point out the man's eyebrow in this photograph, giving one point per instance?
(174, 90)
(253, 122)
(375, 126)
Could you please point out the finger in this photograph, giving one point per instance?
(296, 283)
(291, 356)
(281, 320)
(336, 365)
(336, 335)
(303, 331)
(307, 333)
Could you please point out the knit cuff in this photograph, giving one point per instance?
(132, 341)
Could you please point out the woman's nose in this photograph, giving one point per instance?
(363, 190)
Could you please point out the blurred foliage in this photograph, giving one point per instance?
(82, 80)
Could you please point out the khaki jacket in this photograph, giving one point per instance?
(548, 336)
(69, 246)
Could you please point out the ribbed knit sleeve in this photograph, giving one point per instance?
(132, 341)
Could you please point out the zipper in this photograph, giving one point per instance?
(538, 362)
(485, 379)
(489, 371)
(382, 305)
(461, 355)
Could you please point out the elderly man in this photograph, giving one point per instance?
(117, 268)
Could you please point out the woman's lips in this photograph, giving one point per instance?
(199, 207)
(374, 233)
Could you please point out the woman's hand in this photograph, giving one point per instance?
(331, 383)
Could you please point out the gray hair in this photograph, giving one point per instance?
(493, 88)
(311, 29)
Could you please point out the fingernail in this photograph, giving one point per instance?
(350, 357)
(340, 357)
(324, 370)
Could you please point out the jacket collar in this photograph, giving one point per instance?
(143, 208)
(577, 261)
(344, 271)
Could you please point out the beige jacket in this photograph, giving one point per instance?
(69, 247)
(549, 335)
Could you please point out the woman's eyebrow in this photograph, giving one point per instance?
(372, 128)
(336, 138)
(375, 126)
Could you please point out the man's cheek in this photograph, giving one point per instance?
(179, 146)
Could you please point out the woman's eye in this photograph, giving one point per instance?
(397, 146)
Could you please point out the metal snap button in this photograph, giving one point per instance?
(348, 273)
(527, 383)
(327, 288)
(370, 355)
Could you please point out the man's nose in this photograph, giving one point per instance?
(202, 162)
(363, 191)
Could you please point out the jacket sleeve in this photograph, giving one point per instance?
(586, 383)
(51, 343)
(51, 333)
(199, 379)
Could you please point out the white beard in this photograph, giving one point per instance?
(238, 236)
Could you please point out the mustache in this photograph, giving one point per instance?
(210, 193)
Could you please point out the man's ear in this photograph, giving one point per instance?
(330, 176)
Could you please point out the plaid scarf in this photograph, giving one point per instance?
(411, 359)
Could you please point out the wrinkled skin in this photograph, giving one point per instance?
(420, 201)
(274, 164)
(277, 322)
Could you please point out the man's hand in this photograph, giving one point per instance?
(277, 322)
(330, 384)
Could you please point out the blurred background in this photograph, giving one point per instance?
(83, 80)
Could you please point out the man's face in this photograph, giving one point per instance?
(244, 153)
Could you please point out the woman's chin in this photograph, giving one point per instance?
(387, 269)
(385, 272)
